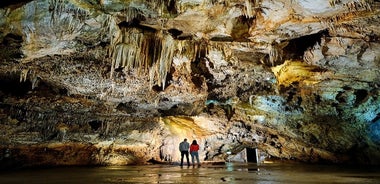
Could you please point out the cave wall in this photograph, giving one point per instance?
(114, 82)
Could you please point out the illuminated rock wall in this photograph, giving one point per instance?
(124, 82)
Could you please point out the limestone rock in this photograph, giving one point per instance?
(123, 82)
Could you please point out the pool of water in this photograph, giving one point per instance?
(224, 173)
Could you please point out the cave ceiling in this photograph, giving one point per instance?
(303, 73)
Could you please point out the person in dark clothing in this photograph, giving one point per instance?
(194, 147)
(184, 149)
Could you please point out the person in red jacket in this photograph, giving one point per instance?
(194, 147)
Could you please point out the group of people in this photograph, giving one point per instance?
(184, 147)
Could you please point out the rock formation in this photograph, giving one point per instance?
(114, 82)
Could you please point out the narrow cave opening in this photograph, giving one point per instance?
(135, 23)
(197, 80)
(95, 124)
(290, 95)
(199, 70)
(296, 47)
(175, 32)
(127, 107)
(10, 47)
(317, 98)
(341, 97)
(171, 7)
(11, 39)
(361, 96)
(10, 85)
(46, 89)
(247, 154)
(252, 155)
(240, 29)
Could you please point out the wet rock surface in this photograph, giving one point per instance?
(115, 83)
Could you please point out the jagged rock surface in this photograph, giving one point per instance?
(123, 82)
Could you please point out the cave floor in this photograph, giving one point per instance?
(223, 173)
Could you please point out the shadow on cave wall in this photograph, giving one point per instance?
(297, 47)
(10, 47)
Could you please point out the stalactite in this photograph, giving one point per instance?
(354, 8)
(135, 50)
(334, 2)
(35, 82)
(359, 5)
(252, 8)
(331, 22)
(201, 49)
(111, 28)
(227, 52)
(126, 49)
(248, 8)
(132, 13)
(166, 58)
(65, 17)
(56, 7)
(59, 7)
(251, 99)
(24, 75)
(186, 48)
(274, 54)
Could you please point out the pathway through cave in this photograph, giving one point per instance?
(223, 173)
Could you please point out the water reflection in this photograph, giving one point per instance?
(225, 173)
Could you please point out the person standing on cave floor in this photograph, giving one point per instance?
(194, 147)
(184, 149)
